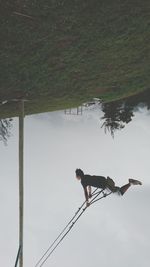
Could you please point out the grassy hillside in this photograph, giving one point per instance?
(58, 53)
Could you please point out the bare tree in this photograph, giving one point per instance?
(5, 127)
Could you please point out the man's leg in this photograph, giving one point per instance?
(125, 187)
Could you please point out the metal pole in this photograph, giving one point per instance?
(21, 191)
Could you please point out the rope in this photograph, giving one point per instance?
(93, 200)
(63, 230)
(19, 250)
(104, 195)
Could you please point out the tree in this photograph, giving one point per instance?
(116, 115)
(5, 127)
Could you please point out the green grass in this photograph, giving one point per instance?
(67, 52)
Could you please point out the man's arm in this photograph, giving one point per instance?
(89, 191)
(86, 196)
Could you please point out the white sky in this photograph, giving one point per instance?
(115, 232)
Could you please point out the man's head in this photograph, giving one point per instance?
(79, 174)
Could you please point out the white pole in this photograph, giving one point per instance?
(21, 189)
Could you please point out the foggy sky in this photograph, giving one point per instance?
(115, 231)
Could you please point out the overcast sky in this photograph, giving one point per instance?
(115, 231)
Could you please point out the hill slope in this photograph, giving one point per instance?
(61, 53)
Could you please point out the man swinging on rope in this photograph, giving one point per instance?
(101, 182)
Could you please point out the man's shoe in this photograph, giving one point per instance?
(135, 182)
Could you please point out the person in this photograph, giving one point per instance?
(88, 181)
